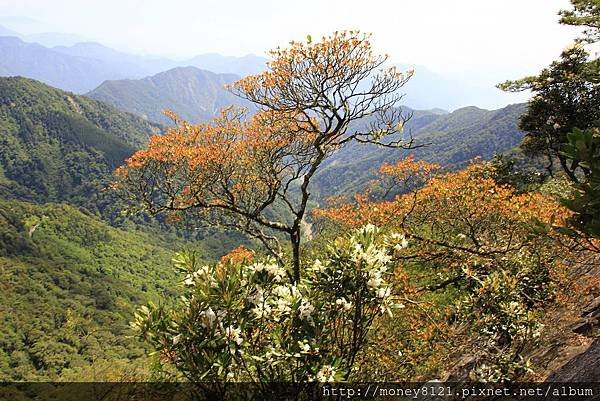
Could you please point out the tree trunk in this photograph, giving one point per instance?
(295, 240)
(570, 173)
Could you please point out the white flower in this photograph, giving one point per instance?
(369, 228)
(189, 280)
(305, 347)
(400, 240)
(374, 280)
(556, 126)
(275, 271)
(346, 306)
(210, 316)
(261, 310)
(326, 374)
(358, 249)
(282, 291)
(258, 297)
(318, 266)
(232, 334)
(230, 376)
(283, 306)
(272, 269)
(384, 292)
(306, 309)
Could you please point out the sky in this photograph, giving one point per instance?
(486, 41)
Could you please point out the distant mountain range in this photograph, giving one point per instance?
(82, 67)
(427, 89)
(73, 73)
(33, 31)
(195, 95)
(453, 139)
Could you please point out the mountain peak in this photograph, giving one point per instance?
(194, 94)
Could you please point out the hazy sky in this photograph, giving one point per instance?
(486, 39)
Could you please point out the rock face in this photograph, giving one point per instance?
(584, 367)
(569, 351)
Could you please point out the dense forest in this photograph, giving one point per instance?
(57, 146)
(324, 233)
(68, 281)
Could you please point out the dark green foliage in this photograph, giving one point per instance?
(510, 169)
(584, 147)
(585, 13)
(566, 96)
(68, 282)
(56, 146)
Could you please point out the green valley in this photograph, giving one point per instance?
(68, 281)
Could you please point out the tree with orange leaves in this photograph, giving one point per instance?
(498, 248)
(235, 170)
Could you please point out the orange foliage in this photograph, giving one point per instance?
(322, 77)
(334, 57)
(453, 199)
(408, 168)
(238, 255)
(461, 228)
(458, 218)
(230, 159)
(230, 171)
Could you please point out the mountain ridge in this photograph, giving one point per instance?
(58, 146)
(425, 90)
(453, 140)
(195, 95)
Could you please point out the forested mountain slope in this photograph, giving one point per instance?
(57, 146)
(451, 140)
(195, 95)
(68, 283)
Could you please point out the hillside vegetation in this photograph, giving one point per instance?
(68, 281)
(195, 95)
(57, 146)
(451, 140)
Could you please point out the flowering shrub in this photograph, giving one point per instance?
(497, 252)
(241, 320)
(503, 308)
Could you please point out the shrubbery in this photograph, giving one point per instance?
(246, 320)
